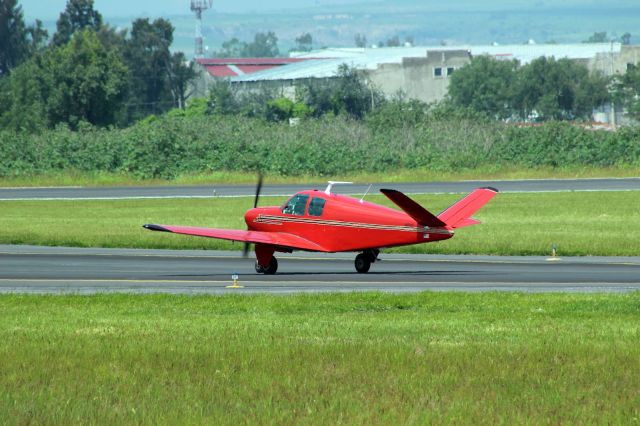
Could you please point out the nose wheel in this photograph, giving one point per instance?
(365, 259)
(270, 269)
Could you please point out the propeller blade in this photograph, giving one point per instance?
(245, 250)
(258, 189)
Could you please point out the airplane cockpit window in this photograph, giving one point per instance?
(316, 206)
(296, 205)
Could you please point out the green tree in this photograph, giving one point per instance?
(17, 41)
(264, 45)
(222, 98)
(80, 82)
(304, 43)
(348, 93)
(147, 56)
(279, 109)
(393, 41)
(558, 89)
(317, 94)
(38, 36)
(591, 91)
(597, 37)
(78, 15)
(112, 38)
(360, 40)
(352, 96)
(233, 48)
(626, 38)
(89, 82)
(398, 112)
(485, 85)
(627, 91)
(22, 99)
(181, 73)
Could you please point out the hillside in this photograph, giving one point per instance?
(426, 22)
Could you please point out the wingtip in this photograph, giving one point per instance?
(491, 188)
(153, 227)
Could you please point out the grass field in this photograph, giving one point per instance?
(580, 223)
(78, 178)
(321, 359)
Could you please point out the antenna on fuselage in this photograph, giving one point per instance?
(333, 182)
(366, 192)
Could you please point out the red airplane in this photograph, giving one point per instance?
(323, 221)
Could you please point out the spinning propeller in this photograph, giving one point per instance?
(245, 250)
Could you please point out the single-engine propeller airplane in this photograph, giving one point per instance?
(324, 221)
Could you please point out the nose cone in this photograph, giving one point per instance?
(250, 216)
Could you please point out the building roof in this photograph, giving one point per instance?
(231, 67)
(327, 61)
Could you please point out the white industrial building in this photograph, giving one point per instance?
(420, 72)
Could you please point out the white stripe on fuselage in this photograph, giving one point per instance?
(277, 220)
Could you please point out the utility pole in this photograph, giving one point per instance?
(613, 105)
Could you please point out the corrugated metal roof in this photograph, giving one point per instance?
(248, 61)
(231, 67)
(221, 71)
(248, 69)
(328, 60)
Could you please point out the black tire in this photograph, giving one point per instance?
(272, 268)
(259, 269)
(362, 263)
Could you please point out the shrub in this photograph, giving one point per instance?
(171, 145)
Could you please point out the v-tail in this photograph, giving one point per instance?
(456, 216)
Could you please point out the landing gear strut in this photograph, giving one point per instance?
(365, 259)
(270, 269)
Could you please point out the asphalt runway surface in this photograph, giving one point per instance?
(29, 269)
(26, 269)
(206, 191)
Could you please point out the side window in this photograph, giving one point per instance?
(296, 205)
(316, 206)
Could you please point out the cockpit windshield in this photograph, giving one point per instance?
(296, 205)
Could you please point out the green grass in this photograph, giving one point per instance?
(79, 178)
(321, 359)
(580, 223)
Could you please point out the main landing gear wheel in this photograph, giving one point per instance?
(269, 270)
(363, 263)
(365, 259)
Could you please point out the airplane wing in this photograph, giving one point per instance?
(281, 239)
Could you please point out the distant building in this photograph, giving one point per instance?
(418, 72)
(210, 69)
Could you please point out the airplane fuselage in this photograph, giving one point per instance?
(340, 223)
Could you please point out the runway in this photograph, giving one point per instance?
(206, 191)
(29, 269)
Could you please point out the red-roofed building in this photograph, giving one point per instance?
(214, 68)
(231, 67)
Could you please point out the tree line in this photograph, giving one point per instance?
(346, 94)
(88, 71)
(392, 138)
(544, 89)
